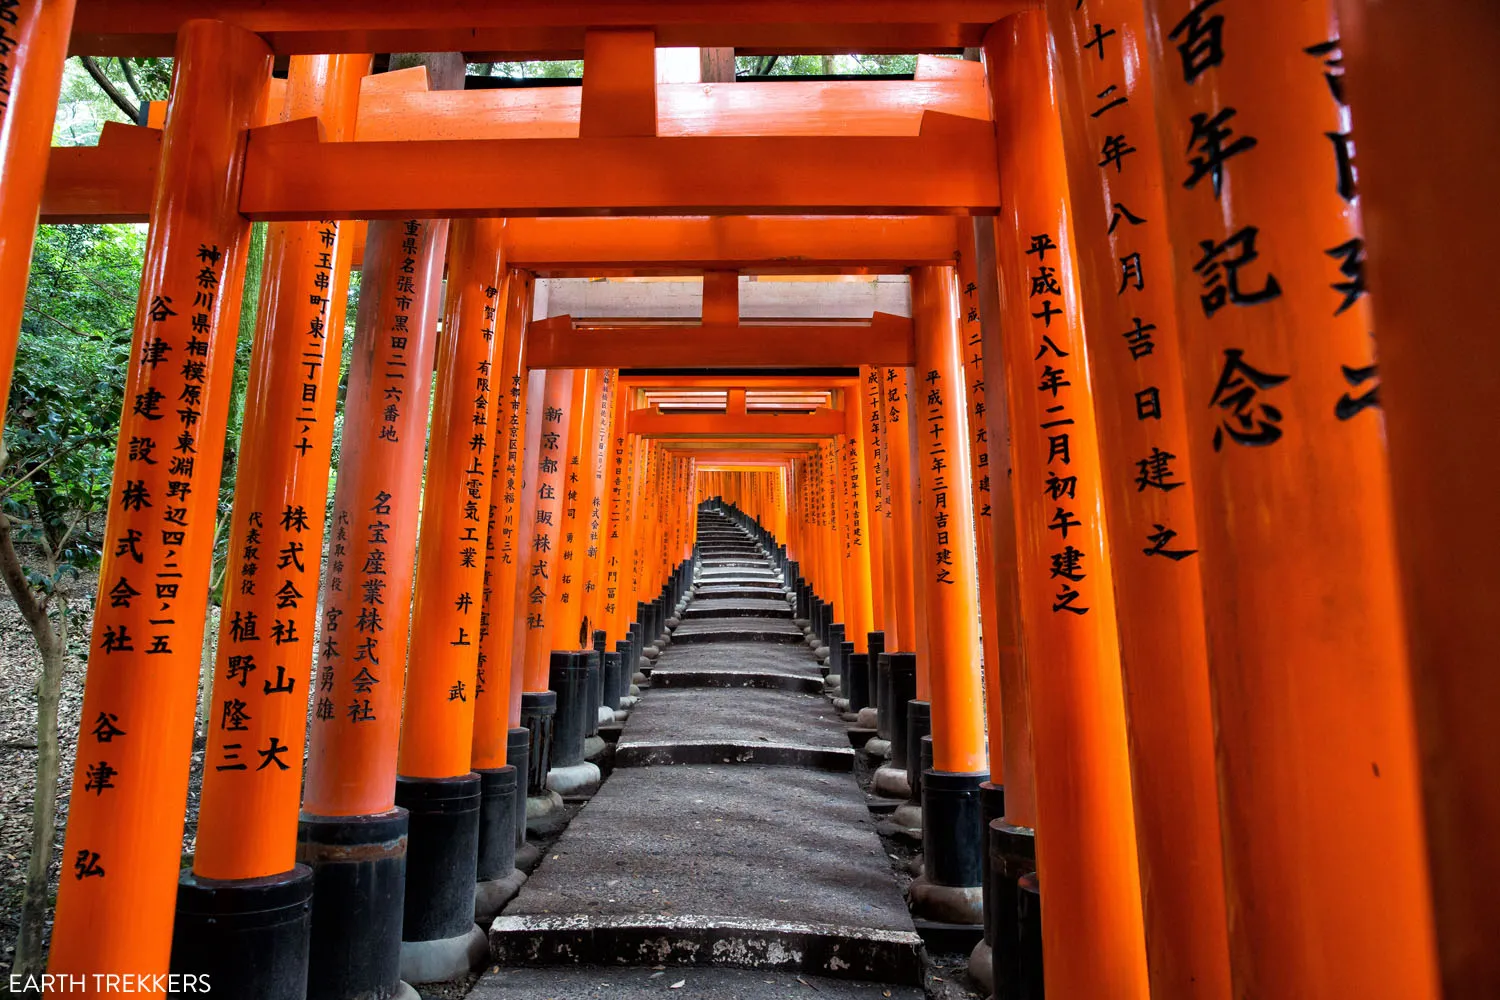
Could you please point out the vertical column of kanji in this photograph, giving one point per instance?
(895, 416)
(996, 618)
(613, 544)
(950, 887)
(499, 744)
(1124, 257)
(433, 783)
(571, 528)
(526, 602)
(596, 510)
(570, 773)
(1092, 924)
(247, 826)
(1011, 851)
(546, 475)
(855, 468)
(33, 48)
(1429, 261)
(348, 798)
(1306, 640)
(124, 839)
(853, 481)
(866, 396)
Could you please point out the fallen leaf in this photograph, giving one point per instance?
(678, 985)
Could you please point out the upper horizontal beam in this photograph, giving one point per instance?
(545, 28)
(655, 424)
(556, 343)
(949, 169)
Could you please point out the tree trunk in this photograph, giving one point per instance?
(53, 644)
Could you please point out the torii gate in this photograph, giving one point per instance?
(216, 166)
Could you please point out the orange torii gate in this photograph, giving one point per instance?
(1269, 423)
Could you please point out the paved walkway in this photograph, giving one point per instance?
(730, 854)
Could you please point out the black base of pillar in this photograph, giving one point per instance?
(875, 643)
(918, 726)
(359, 887)
(1012, 852)
(1029, 906)
(991, 808)
(882, 692)
(441, 855)
(538, 716)
(518, 754)
(568, 678)
(497, 822)
(595, 665)
(247, 938)
(859, 681)
(614, 665)
(952, 829)
(903, 692)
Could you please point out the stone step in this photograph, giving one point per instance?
(701, 608)
(738, 630)
(717, 865)
(751, 593)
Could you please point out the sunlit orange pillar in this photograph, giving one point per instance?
(124, 838)
(1435, 317)
(36, 47)
(1091, 917)
(854, 482)
(349, 794)
(596, 510)
(1124, 254)
(867, 397)
(542, 579)
(434, 783)
(1306, 636)
(898, 458)
(500, 746)
(591, 393)
(951, 884)
(568, 678)
(247, 824)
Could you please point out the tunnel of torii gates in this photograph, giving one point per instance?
(1177, 565)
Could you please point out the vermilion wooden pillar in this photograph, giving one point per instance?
(952, 829)
(495, 718)
(542, 581)
(899, 483)
(247, 824)
(434, 782)
(1420, 165)
(36, 48)
(124, 839)
(1306, 635)
(1124, 256)
(854, 476)
(878, 527)
(975, 390)
(1086, 848)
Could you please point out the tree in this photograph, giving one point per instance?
(58, 452)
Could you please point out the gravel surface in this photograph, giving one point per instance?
(20, 668)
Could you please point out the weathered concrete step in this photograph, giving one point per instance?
(678, 752)
(738, 658)
(749, 592)
(759, 582)
(675, 715)
(737, 573)
(762, 679)
(586, 982)
(759, 562)
(738, 630)
(767, 868)
(703, 608)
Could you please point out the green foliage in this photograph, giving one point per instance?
(67, 391)
(540, 69)
(823, 65)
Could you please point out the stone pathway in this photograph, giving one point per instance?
(730, 854)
